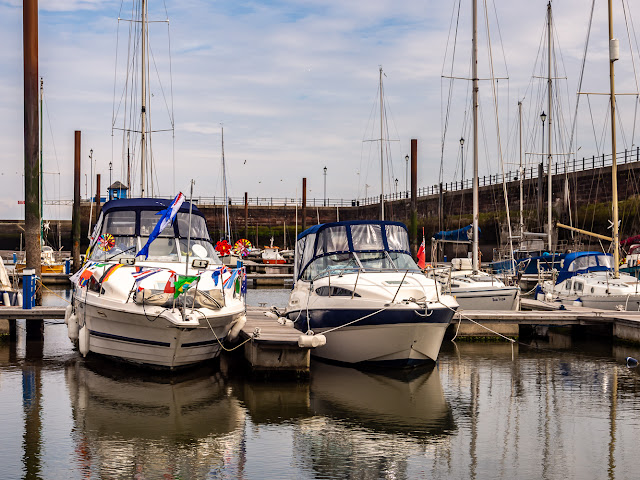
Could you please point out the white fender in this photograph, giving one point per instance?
(235, 330)
(72, 327)
(67, 314)
(270, 315)
(312, 341)
(20, 299)
(5, 299)
(577, 303)
(84, 340)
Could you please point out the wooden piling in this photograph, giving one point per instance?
(75, 216)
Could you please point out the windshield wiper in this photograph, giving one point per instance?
(120, 253)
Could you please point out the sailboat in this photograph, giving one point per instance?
(473, 288)
(593, 279)
(225, 246)
(153, 290)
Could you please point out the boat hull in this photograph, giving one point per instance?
(505, 298)
(148, 338)
(388, 336)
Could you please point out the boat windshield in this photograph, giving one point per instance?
(351, 262)
(589, 261)
(119, 237)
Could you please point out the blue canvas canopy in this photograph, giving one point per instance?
(463, 234)
(349, 236)
(583, 262)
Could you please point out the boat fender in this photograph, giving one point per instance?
(19, 299)
(67, 314)
(285, 321)
(72, 327)
(5, 299)
(577, 303)
(83, 339)
(548, 297)
(632, 362)
(312, 341)
(235, 330)
(270, 315)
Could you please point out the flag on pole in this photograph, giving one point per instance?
(182, 283)
(168, 214)
(142, 273)
(421, 255)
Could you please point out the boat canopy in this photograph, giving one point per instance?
(463, 234)
(583, 262)
(349, 236)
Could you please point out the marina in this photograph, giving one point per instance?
(232, 272)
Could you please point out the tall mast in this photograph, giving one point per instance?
(381, 153)
(474, 76)
(143, 126)
(227, 226)
(549, 157)
(613, 56)
(41, 174)
(521, 175)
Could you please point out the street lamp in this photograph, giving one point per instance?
(325, 186)
(406, 170)
(543, 117)
(462, 158)
(110, 189)
(91, 168)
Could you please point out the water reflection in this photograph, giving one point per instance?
(152, 425)
(368, 424)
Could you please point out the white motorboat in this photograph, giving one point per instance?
(476, 290)
(356, 283)
(588, 279)
(142, 310)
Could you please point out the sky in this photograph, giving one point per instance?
(295, 86)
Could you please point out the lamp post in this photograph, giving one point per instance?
(325, 186)
(406, 170)
(110, 189)
(462, 158)
(396, 188)
(543, 117)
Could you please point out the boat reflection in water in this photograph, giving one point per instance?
(152, 426)
(377, 420)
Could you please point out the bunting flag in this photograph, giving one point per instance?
(228, 283)
(167, 216)
(91, 266)
(182, 283)
(109, 271)
(84, 277)
(170, 286)
(141, 273)
(243, 289)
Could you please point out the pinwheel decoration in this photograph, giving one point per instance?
(106, 242)
(242, 247)
(223, 247)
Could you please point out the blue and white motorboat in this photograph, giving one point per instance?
(356, 283)
(588, 279)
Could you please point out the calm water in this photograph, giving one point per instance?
(555, 410)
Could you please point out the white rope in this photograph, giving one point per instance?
(479, 324)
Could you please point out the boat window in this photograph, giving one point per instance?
(403, 261)
(568, 285)
(397, 238)
(149, 220)
(332, 240)
(198, 226)
(581, 263)
(336, 264)
(212, 255)
(375, 261)
(367, 237)
(332, 291)
(605, 261)
(162, 248)
(307, 254)
(577, 286)
(120, 223)
(123, 246)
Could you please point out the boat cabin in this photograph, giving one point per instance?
(583, 262)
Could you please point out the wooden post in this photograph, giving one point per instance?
(304, 204)
(75, 217)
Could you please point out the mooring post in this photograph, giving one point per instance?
(75, 216)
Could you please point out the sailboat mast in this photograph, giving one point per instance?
(227, 226)
(41, 174)
(143, 108)
(521, 175)
(549, 157)
(613, 56)
(474, 76)
(381, 153)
